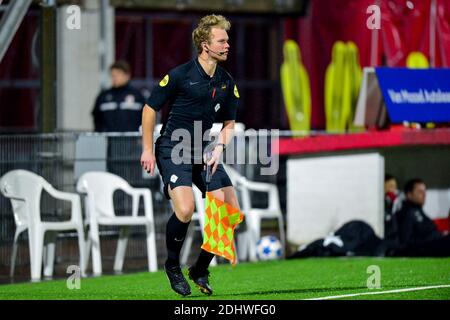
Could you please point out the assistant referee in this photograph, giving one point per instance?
(198, 90)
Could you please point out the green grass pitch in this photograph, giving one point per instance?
(286, 280)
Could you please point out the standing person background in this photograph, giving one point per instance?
(119, 108)
(202, 91)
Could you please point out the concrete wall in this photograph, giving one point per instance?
(324, 193)
(431, 163)
(78, 64)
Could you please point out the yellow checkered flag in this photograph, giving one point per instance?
(220, 221)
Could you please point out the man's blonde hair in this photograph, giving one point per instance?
(203, 31)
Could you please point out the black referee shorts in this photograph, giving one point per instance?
(185, 174)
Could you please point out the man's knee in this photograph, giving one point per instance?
(184, 211)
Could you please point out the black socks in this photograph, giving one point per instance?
(175, 234)
(203, 261)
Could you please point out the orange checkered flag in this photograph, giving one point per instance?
(220, 221)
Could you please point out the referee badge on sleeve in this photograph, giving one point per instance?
(164, 81)
(236, 92)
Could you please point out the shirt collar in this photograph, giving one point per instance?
(202, 71)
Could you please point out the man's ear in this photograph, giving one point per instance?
(205, 48)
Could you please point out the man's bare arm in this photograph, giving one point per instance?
(225, 136)
(227, 132)
(148, 127)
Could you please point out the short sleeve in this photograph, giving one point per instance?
(231, 103)
(163, 91)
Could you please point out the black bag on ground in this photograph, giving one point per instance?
(354, 238)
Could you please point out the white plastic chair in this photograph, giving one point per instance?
(253, 216)
(24, 189)
(99, 188)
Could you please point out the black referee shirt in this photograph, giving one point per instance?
(195, 96)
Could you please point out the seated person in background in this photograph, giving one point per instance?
(390, 223)
(390, 191)
(417, 233)
(119, 109)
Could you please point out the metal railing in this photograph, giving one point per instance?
(61, 158)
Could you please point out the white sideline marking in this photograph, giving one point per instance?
(381, 292)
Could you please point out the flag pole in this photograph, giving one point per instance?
(208, 174)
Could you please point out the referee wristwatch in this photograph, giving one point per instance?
(224, 146)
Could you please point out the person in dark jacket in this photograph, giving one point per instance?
(390, 222)
(119, 109)
(417, 233)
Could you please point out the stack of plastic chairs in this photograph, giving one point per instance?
(24, 189)
(99, 188)
(253, 216)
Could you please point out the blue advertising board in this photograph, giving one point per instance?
(416, 95)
